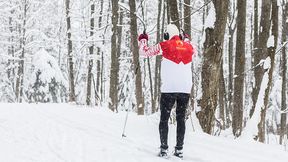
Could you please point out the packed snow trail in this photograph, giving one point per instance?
(66, 133)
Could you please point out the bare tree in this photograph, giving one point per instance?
(187, 20)
(20, 73)
(222, 98)
(239, 69)
(283, 128)
(91, 51)
(99, 60)
(271, 53)
(158, 58)
(11, 50)
(136, 63)
(72, 97)
(260, 48)
(211, 66)
(114, 72)
(173, 12)
(231, 29)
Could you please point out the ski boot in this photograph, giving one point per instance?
(178, 153)
(163, 153)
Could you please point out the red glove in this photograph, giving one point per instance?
(143, 36)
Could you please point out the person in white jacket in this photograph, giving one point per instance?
(176, 81)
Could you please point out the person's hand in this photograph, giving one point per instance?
(143, 36)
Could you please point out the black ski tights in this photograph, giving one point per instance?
(166, 103)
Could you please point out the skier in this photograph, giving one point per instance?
(176, 81)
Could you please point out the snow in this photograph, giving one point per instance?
(209, 22)
(251, 130)
(270, 42)
(62, 132)
(211, 18)
(48, 67)
(267, 63)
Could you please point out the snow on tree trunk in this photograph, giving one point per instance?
(261, 49)
(251, 129)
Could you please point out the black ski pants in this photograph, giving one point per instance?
(167, 101)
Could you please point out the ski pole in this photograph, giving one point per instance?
(123, 133)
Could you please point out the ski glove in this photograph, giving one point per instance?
(143, 36)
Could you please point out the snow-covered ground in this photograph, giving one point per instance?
(68, 133)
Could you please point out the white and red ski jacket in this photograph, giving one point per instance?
(176, 74)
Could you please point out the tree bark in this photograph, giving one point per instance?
(11, 51)
(91, 51)
(231, 29)
(158, 58)
(271, 53)
(211, 66)
(187, 21)
(72, 97)
(114, 72)
(173, 12)
(283, 121)
(136, 63)
(99, 62)
(239, 69)
(221, 98)
(20, 73)
(261, 49)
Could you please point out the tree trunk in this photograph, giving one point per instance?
(256, 57)
(114, 72)
(271, 53)
(231, 29)
(135, 51)
(11, 52)
(167, 11)
(211, 66)
(20, 73)
(173, 12)
(261, 49)
(99, 62)
(222, 99)
(72, 97)
(91, 51)
(239, 69)
(158, 58)
(187, 21)
(283, 122)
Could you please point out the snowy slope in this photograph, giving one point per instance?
(66, 133)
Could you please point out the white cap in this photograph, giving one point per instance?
(172, 30)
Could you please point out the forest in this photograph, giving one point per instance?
(85, 52)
